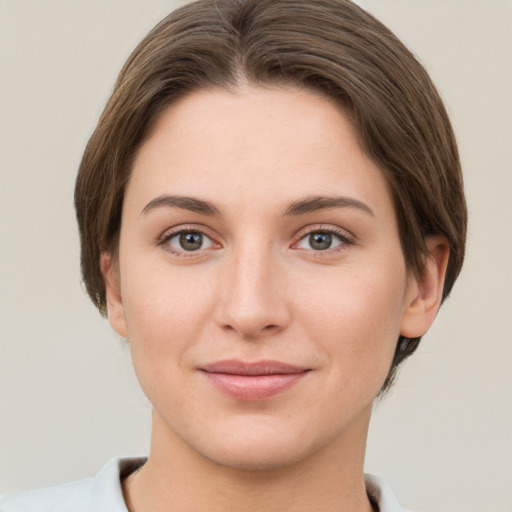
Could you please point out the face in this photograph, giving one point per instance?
(262, 283)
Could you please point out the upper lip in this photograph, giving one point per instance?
(264, 367)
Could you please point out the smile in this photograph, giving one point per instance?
(253, 381)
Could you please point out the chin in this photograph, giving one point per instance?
(263, 449)
(256, 458)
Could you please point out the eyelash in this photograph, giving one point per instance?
(168, 236)
(345, 240)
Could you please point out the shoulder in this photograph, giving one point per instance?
(102, 493)
(381, 494)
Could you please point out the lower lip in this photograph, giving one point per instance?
(253, 387)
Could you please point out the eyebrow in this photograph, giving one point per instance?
(192, 204)
(300, 207)
(315, 203)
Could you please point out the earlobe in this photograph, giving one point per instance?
(115, 308)
(425, 292)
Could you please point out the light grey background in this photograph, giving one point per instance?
(69, 399)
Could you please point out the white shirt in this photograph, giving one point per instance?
(103, 493)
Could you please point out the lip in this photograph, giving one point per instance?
(253, 381)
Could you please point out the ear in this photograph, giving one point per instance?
(425, 292)
(115, 309)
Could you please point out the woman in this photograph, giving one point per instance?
(271, 211)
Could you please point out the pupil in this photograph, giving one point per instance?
(320, 241)
(191, 241)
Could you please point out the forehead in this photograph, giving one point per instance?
(255, 145)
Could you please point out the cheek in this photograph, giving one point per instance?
(165, 313)
(158, 296)
(355, 318)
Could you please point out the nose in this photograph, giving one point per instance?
(252, 296)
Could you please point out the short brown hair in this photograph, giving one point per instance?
(332, 46)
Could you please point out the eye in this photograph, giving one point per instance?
(188, 241)
(322, 240)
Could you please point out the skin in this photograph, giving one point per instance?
(258, 288)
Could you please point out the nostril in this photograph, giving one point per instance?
(253, 332)
(251, 311)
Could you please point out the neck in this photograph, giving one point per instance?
(175, 476)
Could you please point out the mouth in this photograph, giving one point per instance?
(253, 381)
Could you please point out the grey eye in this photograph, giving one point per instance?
(189, 241)
(320, 241)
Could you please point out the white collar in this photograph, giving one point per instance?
(104, 493)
